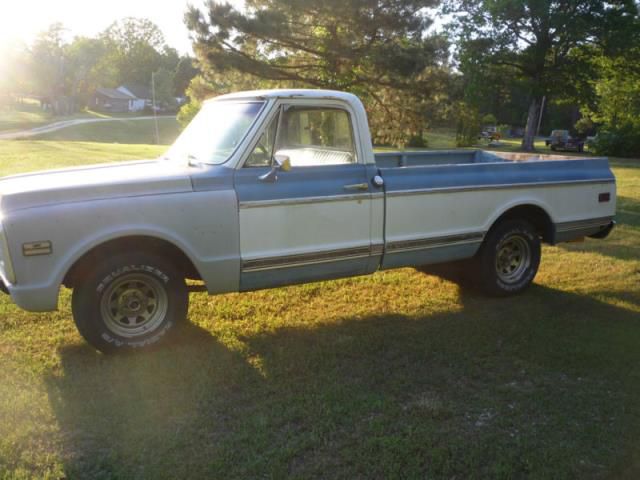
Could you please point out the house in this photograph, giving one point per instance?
(141, 96)
(111, 100)
(125, 98)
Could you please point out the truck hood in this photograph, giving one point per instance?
(97, 182)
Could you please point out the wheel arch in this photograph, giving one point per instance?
(128, 243)
(535, 214)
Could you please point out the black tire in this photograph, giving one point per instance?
(130, 301)
(509, 258)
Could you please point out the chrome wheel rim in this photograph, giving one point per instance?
(513, 259)
(133, 305)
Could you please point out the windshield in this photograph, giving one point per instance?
(215, 132)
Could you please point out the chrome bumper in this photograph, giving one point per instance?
(604, 233)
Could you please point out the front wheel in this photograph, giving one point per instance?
(509, 258)
(129, 301)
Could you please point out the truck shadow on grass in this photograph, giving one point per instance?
(544, 385)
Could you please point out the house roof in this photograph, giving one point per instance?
(138, 91)
(113, 93)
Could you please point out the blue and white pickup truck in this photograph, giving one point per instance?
(273, 188)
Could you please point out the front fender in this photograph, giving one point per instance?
(204, 225)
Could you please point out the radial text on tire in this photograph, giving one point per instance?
(129, 301)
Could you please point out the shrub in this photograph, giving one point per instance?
(417, 141)
(623, 141)
(188, 111)
(489, 119)
(469, 126)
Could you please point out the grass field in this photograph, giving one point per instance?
(397, 375)
(28, 115)
(119, 131)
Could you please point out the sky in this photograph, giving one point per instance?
(21, 20)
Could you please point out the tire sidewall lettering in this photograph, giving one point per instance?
(129, 269)
(156, 337)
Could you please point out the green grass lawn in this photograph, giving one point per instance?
(23, 116)
(18, 156)
(119, 131)
(396, 375)
(28, 115)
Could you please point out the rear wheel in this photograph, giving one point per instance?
(509, 258)
(129, 301)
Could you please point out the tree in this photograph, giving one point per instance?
(164, 89)
(616, 107)
(185, 71)
(539, 41)
(15, 80)
(137, 48)
(208, 85)
(48, 61)
(376, 49)
(88, 67)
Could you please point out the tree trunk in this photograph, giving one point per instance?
(530, 130)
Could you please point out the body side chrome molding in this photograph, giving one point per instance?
(505, 186)
(418, 191)
(583, 224)
(307, 200)
(434, 242)
(302, 259)
(299, 260)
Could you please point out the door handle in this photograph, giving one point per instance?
(357, 186)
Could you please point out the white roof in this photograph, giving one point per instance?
(289, 93)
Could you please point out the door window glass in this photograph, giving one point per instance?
(316, 136)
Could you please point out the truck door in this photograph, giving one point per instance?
(312, 222)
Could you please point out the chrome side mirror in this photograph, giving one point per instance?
(282, 163)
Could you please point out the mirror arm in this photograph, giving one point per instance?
(281, 162)
(271, 176)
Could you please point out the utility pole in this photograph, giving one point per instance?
(155, 112)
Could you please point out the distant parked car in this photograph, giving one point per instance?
(490, 133)
(561, 140)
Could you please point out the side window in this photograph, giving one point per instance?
(263, 151)
(316, 136)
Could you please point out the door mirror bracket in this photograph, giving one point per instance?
(280, 163)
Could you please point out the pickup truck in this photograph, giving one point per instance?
(561, 140)
(279, 187)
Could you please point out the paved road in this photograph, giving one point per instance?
(52, 127)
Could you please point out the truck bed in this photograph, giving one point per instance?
(456, 157)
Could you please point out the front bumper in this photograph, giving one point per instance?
(39, 298)
(604, 233)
